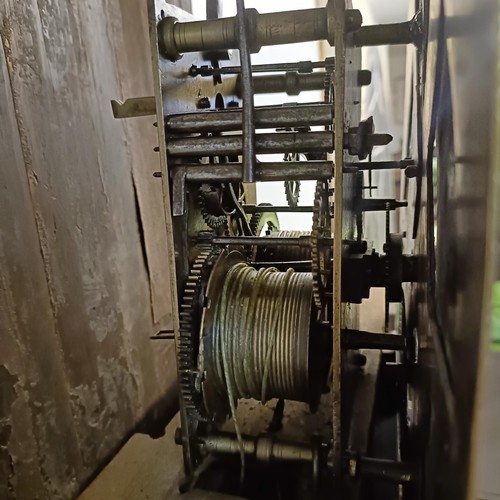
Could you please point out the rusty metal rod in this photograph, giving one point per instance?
(265, 117)
(264, 172)
(292, 83)
(263, 447)
(390, 34)
(379, 204)
(290, 142)
(387, 470)
(277, 28)
(253, 209)
(274, 28)
(304, 241)
(381, 165)
(359, 339)
(246, 87)
(301, 67)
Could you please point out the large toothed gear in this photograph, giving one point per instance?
(189, 331)
(321, 226)
(320, 253)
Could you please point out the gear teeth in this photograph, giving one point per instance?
(321, 219)
(256, 223)
(189, 328)
(212, 221)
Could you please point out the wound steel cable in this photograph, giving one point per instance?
(260, 337)
(260, 334)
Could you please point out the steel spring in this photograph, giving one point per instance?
(260, 337)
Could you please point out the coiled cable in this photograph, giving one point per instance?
(260, 335)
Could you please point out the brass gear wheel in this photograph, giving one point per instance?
(321, 225)
(320, 253)
(189, 331)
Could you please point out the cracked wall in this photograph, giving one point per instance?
(83, 276)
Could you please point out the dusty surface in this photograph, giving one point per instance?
(83, 278)
(146, 469)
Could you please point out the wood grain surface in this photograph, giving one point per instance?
(84, 280)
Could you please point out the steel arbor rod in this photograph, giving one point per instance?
(291, 142)
(264, 117)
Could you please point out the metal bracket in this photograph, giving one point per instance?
(133, 107)
(179, 191)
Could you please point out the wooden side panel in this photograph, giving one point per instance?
(83, 277)
(35, 414)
